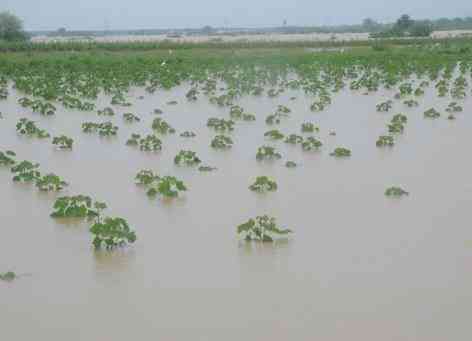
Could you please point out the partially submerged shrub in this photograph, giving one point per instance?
(111, 233)
(187, 158)
(294, 139)
(291, 164)
(220, 124)
(8, 276)
(150, 143)
(50, 182)
(79, 206)
(384, 106)
(395, 192)
(385, 141)
(267, 153)
(146, 177)
(454, 107)
(63, 142)
(130, 117)
(311, 143)
(103, 129)
(341, 152)
(262, 229)
(309, 127)
(222, 142)
(29, 128)
(263, 184)
(106, 112)
(6, 158)
(25, 171)
(274, 134)
(162, 127)
(411, 103)
(188, 134)
(431, 113)
(167, 186)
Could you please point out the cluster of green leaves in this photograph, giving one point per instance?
(267, 153)
(192, 94)
(291, 164)
(220, 124)
(294, 139)
(186, 158)
(274, 134)
(341, 152)
(29, 128)
(50, 182)
(63, 142)
(397, 124)
(395, 192)
(323, 101)
(103, 129)
(222, 142)
(106, 112)
(385, 141)
(309, 127)
(130, 117)
(149, 143)
(79, 206)
(237, 113)
(261, 229)
(8, 276)
(411, 103)
(431, 113)
(7, 158)
(111, 233)
(167, 186)
(43, 108)
(263, 184)
(454, 107)
(384, 106)
(188, 134)
(146, 177)
(162, 127)
(311, 143)
(25, 171)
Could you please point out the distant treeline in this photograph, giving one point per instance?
(368, 26)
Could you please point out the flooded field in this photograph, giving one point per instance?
(358, 266)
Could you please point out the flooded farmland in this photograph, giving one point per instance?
(359, 265)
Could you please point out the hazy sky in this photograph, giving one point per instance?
(138, 14)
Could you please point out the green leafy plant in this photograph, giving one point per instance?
(267, 153)
(146, 177)
(103, 129)
(29, 128)
(385, 141)
(274, 134)
(162, 127)
(384, 106)
(188, 134)
(133, 140)
(454, 107)
(25, 171)
(341, 152)
(106, 112)
(263, 184)
(79, 206)
(294, 139)
(187, 158)
(50, 182)
(111, 233)
(395, 192)
(167, 186)
(261, 229)
(6, 158)
(311, 143)
(8, 276)
(411, 103)
(150, 143)
(221, 125)
(431, 113)
(130, 117)
(63, 142)
(291, 164)
(222, 142)
(309, 127)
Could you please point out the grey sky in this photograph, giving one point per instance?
(139, 14)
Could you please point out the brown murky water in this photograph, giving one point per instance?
(359, 266)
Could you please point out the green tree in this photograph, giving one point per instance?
(11, 27)
(404, 23)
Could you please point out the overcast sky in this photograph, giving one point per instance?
(139, 14)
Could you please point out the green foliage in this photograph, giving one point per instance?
(263, 184)
(150, 143)
(146, 177)
(162, 127)
(237, 113)
(167, 186)
(385, 141)
(395, 192)
(111, 233)
(8, 276)
(274, 134)
(411, 103)
(294, 139)
(291, 164)
(309, 127)
(188, 134)
(186, 158)
(130, 117)
(192, 94)
(454, 107)
(63, 142)
(222, 142)
(11, 27)
(103, 129)
(341, 152)
(29, 128)
(79, 206)
(6, 158)
(261, 229)
(220, 125)
(384, 106)
(311, 143)
(267, 153)
(50, 182)
(25, 171)
(431, 113)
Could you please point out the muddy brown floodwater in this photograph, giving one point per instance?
(358, 267)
